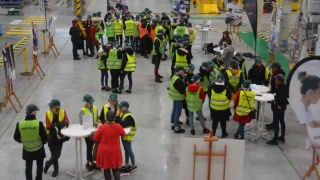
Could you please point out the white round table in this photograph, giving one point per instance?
(221, 50)
(262, 99)
(77, 131)
(259, 89)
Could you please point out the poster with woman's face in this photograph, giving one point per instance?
(304, 95)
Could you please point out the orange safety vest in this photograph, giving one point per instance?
(142, 31)
(153, 34)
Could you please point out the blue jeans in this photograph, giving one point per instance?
(241, 130)
(176, 112)
(123, 76)
(201, 118)
(128, 152)
(104, 77)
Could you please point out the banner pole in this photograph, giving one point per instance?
(44, 41)
(25, 62)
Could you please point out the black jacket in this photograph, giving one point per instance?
(74, 32)
(187, 78)
(127, 122)
(281, 95)
(273, 86)
(39, 154)
(257, 75)
(125, 58)
(180, 86)
(221, 42)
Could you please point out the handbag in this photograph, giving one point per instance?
(253, 113)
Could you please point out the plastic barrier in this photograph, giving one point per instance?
(204, 7)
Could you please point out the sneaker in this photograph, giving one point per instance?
(160, 77)
(178, 130)
(116, 91)
(281, 139)
(103, 88)
(173, 128)
(55, 173)
(205, 131)
(123, 168)
(97, 57)
(272, 142)
(193, 132)
(235, 136)
(131, 169)
(85, 53)
(89, 168)
(46, 167)
(158, 81)
(108, 88)
(180, 123)
(269, 126)
(146, 57)
(77, 58)
(225, 135)
(128, 91)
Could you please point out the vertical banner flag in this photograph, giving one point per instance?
(304, 93)
(251, 9)
(34, 35)
(9, 64)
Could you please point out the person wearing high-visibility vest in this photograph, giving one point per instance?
(31, 133)
(125, 118)
(128, 29)
(173, 26)
(175, 44)
(144, 34)
(233, 78)
(156, 55)
(194, 97)
(101, 25)
(213, 72)
(56, 119)
(110, 29)
(188, 80)
(102, 66)
(118, 29)
(153, 29)
(88, 24)
(218, 62)
(176, 93)
(192, 38)
(110, 106)
(136, 35)
(220, 97)
(88, 109)
(206, 77)
(165, 18)
(97, 36)
(242, 64)
(128, 66)
(114, 62)
(180, 57)
(258, 73)
(243, 105)
(181, 29)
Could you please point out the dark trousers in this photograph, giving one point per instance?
(136, 42)
(89, 148)
(110, 39)
(115, 74)
(278, 116)
(190, 56)
(129, 39)
(104, 77)
(143, 45)
(119, 39)
(75, 47)
(215, 122)
(55, 150)
(156, 67)
(90, 46)
(122, 77)
(149, 45)
(185, 107)
(28, 172)
(101, 39)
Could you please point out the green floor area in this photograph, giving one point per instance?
(262, 51)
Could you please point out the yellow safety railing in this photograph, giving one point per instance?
(204, 7)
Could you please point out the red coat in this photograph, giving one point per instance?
(93, 31)
(109, 154)
(236, 117)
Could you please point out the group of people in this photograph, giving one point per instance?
(103, 145)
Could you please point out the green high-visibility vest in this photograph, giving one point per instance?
(158, 27)
(30, 136)
(181, 61)
(86, 111)
(173, 93)
(172, 32)
(129, 28)
(219, 101)
(181, 30)
(234, 80)
(61, 117)
(101, 31)
(193, 101)
(113, 62)
(243, 107)
(110, 30)
(101, 63)
(161, 47)
(131, 64)
(118, 27)
(171, 53)
(135, 29)
(205, 83)
(133, 130)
